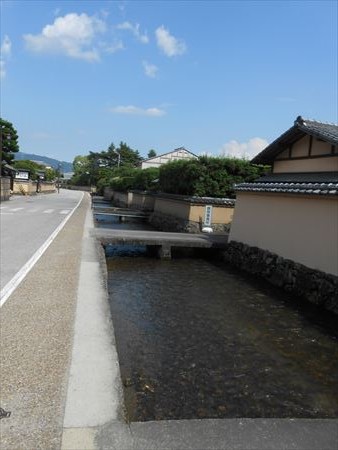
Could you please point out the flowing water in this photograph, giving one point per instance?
(197, 339)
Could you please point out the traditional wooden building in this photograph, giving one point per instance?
(293, 211)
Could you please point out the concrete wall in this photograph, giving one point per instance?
(174, 213)
(29, 187)
(195, 212)
(182, 215)
(303, 229)
(142, 200)
(5, 188)
(108, 194)
(123, 199)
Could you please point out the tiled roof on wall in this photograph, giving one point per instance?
(328, 132)
(228, 202)
(324, 183)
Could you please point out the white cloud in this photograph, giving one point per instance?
(135, 110)
(149, 69)
(73, 35)
(6, 50)
(6, 47)
(170, 45)
(135, 29)
(112, 47)
(244, 149)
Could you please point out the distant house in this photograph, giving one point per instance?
(157, 161)
(293, 212)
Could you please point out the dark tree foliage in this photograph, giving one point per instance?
(146, 179)
(152, 153)
(122, 156)
(9, 141)
(126, 178)
(207, 177)
(122, 178)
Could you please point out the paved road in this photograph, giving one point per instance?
(26, 223)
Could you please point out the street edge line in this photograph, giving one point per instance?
(19, 276)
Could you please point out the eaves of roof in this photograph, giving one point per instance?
(318, 184)
(302, 127)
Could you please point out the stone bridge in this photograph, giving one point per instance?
(161, 240)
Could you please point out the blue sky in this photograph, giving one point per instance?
(221, 77)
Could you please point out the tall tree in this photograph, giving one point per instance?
(152, 153)
(8, 141)
(128, 156)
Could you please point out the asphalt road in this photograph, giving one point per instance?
(26, 223)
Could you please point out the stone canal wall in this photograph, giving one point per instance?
(312, 285)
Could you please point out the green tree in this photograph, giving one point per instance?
(128, 156)
(81, 167)
(207, 177)
(146, 179)
(152, 153)
(8, 142)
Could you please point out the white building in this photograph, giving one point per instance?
(157, 161)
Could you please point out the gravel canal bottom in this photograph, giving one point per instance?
(198, 340)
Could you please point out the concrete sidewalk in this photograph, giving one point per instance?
(36, 341)
(60, 371)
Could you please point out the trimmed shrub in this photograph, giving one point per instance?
(207, 177)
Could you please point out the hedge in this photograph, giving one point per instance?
(207, 177)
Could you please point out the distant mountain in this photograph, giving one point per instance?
(65, 166)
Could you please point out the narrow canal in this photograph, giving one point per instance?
(197, 339)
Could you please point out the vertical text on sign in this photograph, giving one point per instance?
(208, 215)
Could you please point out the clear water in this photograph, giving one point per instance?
(197, 339)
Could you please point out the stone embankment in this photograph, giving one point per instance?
(312, 285)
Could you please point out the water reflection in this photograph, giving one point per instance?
(199, 341)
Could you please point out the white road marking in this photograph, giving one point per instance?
(19, 276)
(65, 211)
(48, 211)
(3, 207)
(16, 209)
